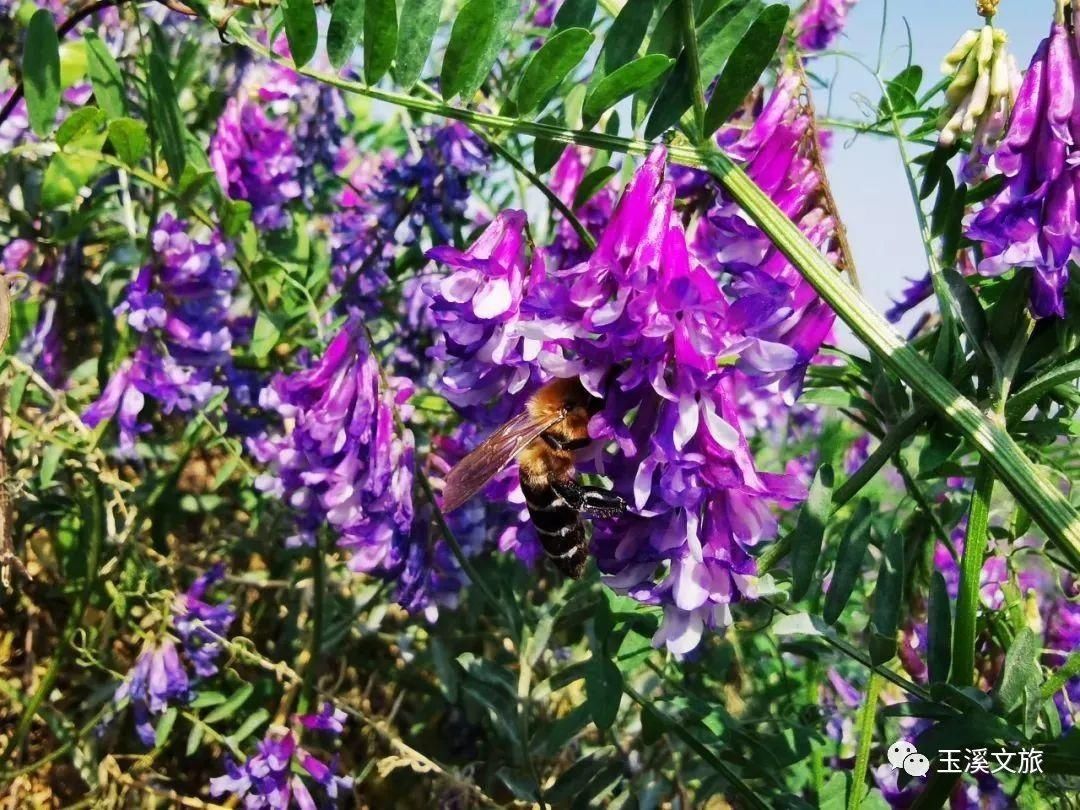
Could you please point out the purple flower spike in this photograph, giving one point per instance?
(255, 160)
(157, 679)
(328, 719)
(647, 328)
(179, 304)
(1033, 221)
(272, 777)
(199, 623)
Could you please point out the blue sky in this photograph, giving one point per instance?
(866, 173)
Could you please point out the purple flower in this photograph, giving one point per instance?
(180, 306)
(819, 22)
(1062, 639)
(1032, 221)
(157, 679)
(199, 623)
(644, 327)
(784, 321)
(390, 203)
(343, 461)
(275, 776)
(918, 290)
(543, 12)
(255, 160)
(328, 719)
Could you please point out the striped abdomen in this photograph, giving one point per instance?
(561, 530)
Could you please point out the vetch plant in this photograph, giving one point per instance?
(278, 277)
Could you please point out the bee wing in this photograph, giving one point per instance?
(494, 453)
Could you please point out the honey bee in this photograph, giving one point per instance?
(544, 438)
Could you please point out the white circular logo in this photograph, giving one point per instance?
(916, 764)
(899, 751)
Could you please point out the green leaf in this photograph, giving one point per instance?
(463, 65)
(41, 72)
(165, 726)
(165, 115)
(521, 783)
(82, 122)
(249, 726)
(205, 699)
(902, 91)
(194, 739)
(574, 783)
(344, 31)
(623, 39)
(232, 705)
(235, 217)
(849, 559)
(105, 76)
(809, 532)
(546, 154)
(129, 138)
(265, 336)
(717, 37)
(939, 630)
(972, 315)
(603, 691)
(66, 174)
(575, 14)
(380, 38)
(665, 40)
(1021, 670)
(888, 595)
(419, 21)
(745, 65)
(475, 39)
(550, 65)
(50, 459)
(301, 29)
(628, 79)
(592, 183)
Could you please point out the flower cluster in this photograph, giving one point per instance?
(275, 776)
(157, 679)
(984, 86)
(255, 159)
(342, 461)
(390, 202)
(645, 328)
(1033, 220)
(1062, 639)
(201, 624)
(819, 23)
(179, 304)
(160, 677)
(774, 304)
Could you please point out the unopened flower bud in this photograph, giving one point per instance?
(979, 98)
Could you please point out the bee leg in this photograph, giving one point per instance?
(590, 501)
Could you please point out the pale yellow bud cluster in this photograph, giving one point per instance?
(984, 86)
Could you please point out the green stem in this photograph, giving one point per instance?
(866, 739)
(1062, 676)
(318, 591)
(553, 198)
(95, 528)
(748, 795)
(690, 45)
(967, 600)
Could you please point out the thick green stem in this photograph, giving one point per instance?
(1045, 502)
(967, 601)
(690, 45)
(866, 739)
